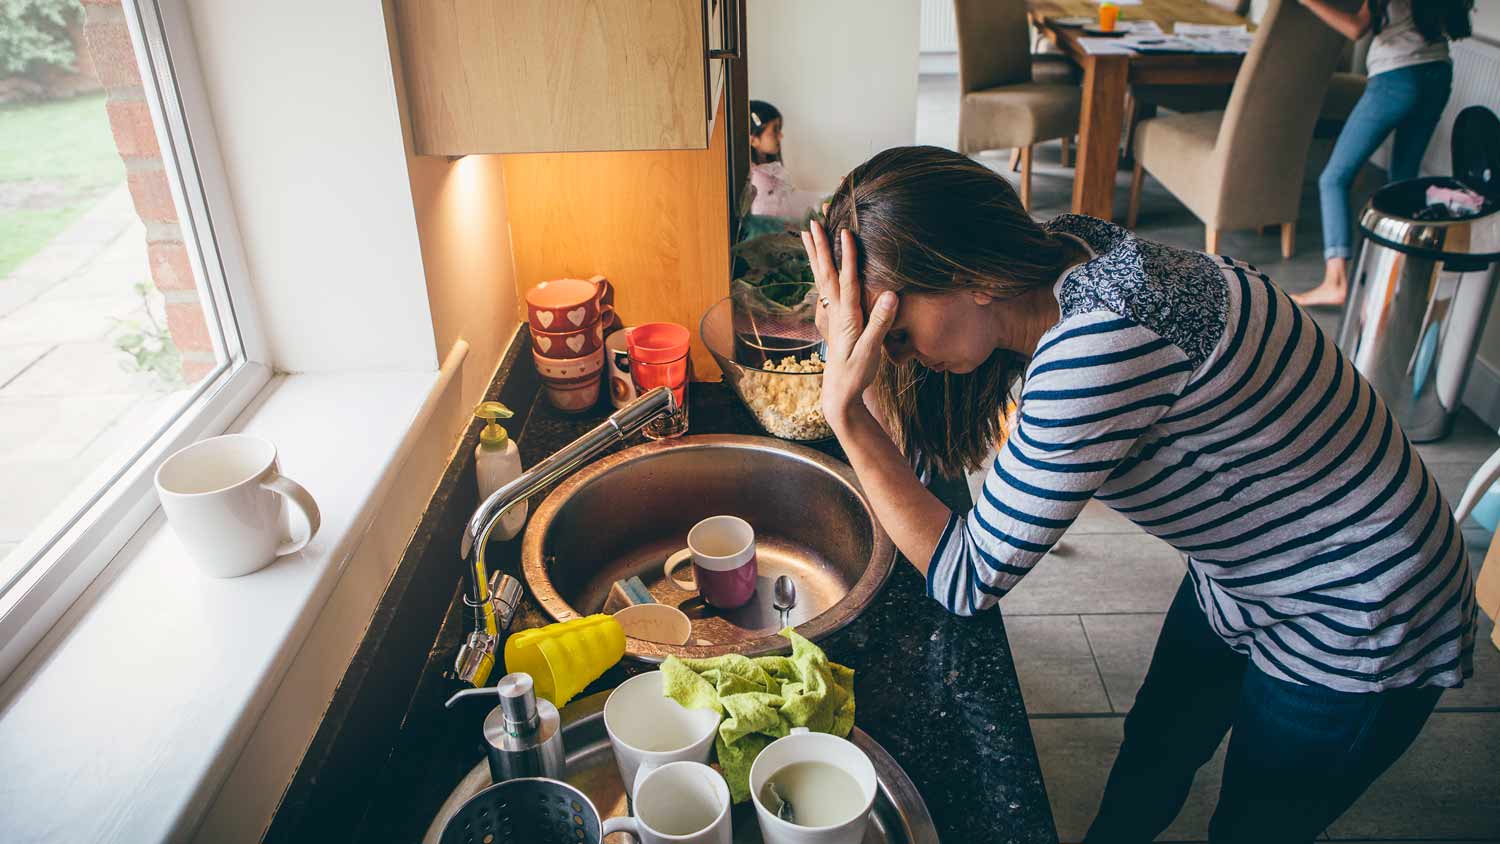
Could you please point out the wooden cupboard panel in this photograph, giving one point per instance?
(656, 224)
(487, 76)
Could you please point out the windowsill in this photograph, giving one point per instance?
(155, 679)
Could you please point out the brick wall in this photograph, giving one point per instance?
(130, 120)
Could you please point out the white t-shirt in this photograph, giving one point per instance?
(1401, 44)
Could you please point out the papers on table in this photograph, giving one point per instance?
(1105, 47)
(1207, 28)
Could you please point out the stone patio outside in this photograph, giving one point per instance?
(73, 404)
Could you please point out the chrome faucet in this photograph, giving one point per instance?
(494, 608)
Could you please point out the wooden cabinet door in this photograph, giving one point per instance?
(489, 76)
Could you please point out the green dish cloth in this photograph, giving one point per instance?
(762, 699)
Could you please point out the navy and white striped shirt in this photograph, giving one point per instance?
(1187, 392)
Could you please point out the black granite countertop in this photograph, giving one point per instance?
(939, 692)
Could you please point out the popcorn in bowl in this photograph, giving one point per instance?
(786, 397)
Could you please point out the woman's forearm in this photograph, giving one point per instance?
(913, 517)
(1351, 25)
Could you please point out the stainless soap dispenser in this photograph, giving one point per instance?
(523, 735)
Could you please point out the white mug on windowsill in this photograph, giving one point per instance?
(223, 498)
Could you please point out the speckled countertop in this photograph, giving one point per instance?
(939, 692)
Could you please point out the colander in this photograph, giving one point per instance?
(531, 810)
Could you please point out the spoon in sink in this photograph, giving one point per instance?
(784, 597)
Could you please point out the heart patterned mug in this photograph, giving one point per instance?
(570, 304)
(569, 344)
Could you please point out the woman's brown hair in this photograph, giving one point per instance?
(930, 220)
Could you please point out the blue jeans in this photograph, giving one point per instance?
(1408, 100)
(1298, 756)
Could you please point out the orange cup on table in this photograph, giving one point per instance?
(1109, 14)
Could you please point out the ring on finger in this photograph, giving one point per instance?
(823, 301)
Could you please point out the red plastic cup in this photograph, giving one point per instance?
(659, 358)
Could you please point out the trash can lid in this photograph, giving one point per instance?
(1476, 150)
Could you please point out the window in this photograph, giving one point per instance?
(123, 325)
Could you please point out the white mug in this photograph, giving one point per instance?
(223, 498)
(805, 746)
(617, 354)
(678, 803)
(647, 729)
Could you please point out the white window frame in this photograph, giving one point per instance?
(70, 558)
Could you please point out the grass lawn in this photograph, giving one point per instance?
(56, 159)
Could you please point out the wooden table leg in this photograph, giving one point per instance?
(1100, 123)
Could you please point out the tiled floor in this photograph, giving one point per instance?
(1082, 625)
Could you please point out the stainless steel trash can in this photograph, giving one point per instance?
(1422, 288)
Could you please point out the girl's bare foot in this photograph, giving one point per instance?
(1333, 290)
(1327, 294)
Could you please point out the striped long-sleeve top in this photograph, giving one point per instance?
(1190, 394)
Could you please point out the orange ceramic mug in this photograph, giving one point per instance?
(1109, 13)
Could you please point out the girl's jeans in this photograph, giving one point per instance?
(1408, 100)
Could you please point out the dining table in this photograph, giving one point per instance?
(1107, 78)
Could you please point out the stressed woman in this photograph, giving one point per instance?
(1327, 601)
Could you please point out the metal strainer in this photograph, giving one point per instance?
(532, 810)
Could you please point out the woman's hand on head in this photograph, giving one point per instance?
(854, 343)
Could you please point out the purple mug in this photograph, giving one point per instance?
(722, 549)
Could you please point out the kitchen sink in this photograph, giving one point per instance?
(625, 513)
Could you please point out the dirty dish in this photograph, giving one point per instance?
(833, 797)
(678, 803)
(569, 303)
(656, 623)
(722, 551)
(565, 657)
(647, 729)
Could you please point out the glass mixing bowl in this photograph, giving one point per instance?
(772, 355)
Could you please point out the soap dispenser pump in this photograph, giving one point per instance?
(523, 734)
(497, 462)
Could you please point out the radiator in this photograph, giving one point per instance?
(1476, 81)
(939, 33)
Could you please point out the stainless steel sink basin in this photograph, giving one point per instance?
(624, 514)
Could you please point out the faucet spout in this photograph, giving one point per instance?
(620, 425)
(477, 657)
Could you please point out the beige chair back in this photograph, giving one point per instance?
(1261, 150)
(994, 43)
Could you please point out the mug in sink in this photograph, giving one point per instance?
(722, 550)
(829, 782)
(648, 730)
(223, 497)
(678, 803)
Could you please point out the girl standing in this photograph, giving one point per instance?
(1411, 77)
(775, 195)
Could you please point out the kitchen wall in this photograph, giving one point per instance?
(362, 256)
(1487, 19)
(655, 223)
(844, 75)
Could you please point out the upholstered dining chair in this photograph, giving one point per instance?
(1010, 98)
(1242, 168)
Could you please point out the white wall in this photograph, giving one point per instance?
(1487, 19)
(305, 107)
(844, 75)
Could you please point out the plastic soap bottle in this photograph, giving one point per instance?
(497, 462)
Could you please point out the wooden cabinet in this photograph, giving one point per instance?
(493, 76)
(654, 223)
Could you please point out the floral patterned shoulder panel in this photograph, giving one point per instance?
(1180, 294)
